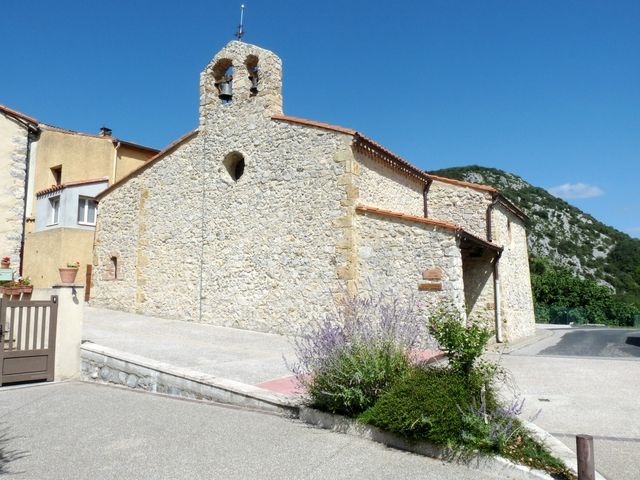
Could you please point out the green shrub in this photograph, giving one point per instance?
(356, 377)
(463, 343)
(460, 412)
(427, 404)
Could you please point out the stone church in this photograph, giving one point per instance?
(257, 220)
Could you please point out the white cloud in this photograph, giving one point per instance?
(576, 190)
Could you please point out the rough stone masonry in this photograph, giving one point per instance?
(261, 221)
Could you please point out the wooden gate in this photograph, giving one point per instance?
(27, 339)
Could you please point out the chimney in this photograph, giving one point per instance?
(105, 132)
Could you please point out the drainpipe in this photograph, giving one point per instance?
(32, 134)
(496, 270)
(496, 297)
(425, 193)
(115, 162)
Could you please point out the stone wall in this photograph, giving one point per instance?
(262, 252)
(516, 302)
(464, 206)
(13, 165)
(384, 187)
(393, 254)
(152, 226)
(252, 223)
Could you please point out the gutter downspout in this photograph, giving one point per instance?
(32, 133)
(496, 270)
(425, 193)
(496, 297)
(115, 162)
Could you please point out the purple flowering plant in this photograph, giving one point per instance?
(347, 359)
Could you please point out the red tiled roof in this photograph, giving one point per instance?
(312, 123)
(20, 115)
(55, 188)
(148, 163)
(457, 229)
(115, 140)
(367, 145)
(462, 183)
(404, 216)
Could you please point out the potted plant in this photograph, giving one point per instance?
(6, 262)
(17, 287)
(68, 273)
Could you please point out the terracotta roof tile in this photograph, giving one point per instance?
(55, 188)
(457, 229)
(368, 145)
(462, 183)
(115, 140)
(15, 113)
(312, 123)
(404, 216)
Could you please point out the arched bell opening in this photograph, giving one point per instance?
(223, 75)
(251, 63)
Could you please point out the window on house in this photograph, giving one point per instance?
(56, 172)
(87, 208)
(54, 204)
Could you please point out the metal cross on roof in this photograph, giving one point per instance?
(240, 31)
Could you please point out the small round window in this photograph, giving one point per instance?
(234, 163)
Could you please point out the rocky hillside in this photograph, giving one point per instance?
(564, 234)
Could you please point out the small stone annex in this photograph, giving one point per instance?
(257, 220)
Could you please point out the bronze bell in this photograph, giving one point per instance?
(225, 90)
(254, 83)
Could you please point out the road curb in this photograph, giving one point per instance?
(106, 365)
(337, 423)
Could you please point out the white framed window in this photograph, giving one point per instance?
(54, 203)
(87, 209)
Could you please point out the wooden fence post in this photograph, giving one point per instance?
(87, 283)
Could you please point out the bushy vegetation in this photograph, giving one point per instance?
(561, 297)
(427, 404)
(359, 363)
(346, 361)
(588, 247)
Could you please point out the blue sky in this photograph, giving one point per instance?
(549, 90)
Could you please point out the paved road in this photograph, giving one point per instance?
(596, 342)
(578, 389)
(84, 431)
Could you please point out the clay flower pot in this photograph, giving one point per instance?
(68, 274)
(5, 265)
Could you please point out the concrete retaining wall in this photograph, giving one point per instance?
(107, 365)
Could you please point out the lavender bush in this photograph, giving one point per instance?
(346, 360)
(491, 430)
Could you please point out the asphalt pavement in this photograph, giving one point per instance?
(596, 342)
(82, 431)
(583, 381)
